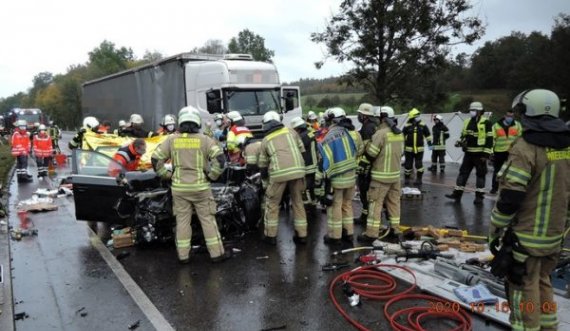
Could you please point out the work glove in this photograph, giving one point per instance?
(327, 200)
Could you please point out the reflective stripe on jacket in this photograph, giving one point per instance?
(440, 135)
(386, 149)
(43, 146)
(194, 156)
(338, 151)
(281, 152)
(505, 135)
(543, 174)
(237, 135)
(414, 134)
(478, 135)
(20, 144)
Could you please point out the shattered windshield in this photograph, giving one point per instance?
(253, 102)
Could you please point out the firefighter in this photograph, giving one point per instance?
(197, 160)
(43, 150)
(167, 125)
(440, 135)
(119, 131)
(129, 156)
(281, 163)
(415, 131)
(135, 129)
(105, 127)
(384, 151)
(91, 124)
(251, 155)
(369, 124)
(55, 134)
(236, 136)
(20, 143)
(505, 131)
(338, 152)
(477, 141)
(533, 209)
(312, 122)
(310, 158)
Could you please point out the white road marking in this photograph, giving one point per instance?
(140, 298)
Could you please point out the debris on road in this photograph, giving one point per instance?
(17, 233)
(135, 325)
(122, 255)
(37, 204)
(20, 316)
(280, 327)
(123, 238)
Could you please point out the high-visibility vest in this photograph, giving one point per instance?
(20, 144)
(504, 138)
(43, 146)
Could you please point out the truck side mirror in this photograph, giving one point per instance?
(214, 101)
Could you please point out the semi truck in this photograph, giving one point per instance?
(210, 83)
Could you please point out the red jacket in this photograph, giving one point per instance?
(127, 157)
(20, 143)
(42, 146)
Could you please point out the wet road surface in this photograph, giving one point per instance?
(60, 275)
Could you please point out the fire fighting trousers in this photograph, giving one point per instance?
(339, 215)
(184, 205)
(532, 303)
(21, 165)
(381, 194)
(410, 159)
(273, 196)
(498, 160)
(470, 161)
(363, 182)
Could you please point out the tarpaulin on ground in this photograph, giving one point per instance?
(108, 144)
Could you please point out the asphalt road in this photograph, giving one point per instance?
(64, 279)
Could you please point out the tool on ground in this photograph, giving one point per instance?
(334, 266)
(469, 275)
(427, 251)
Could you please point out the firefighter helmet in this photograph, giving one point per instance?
(413, 113)
(365, 109)
(136, 119)
(298, 122)
(234, 116)
(537, 102)
(190, 116)
(168, 120)
(476, 106)
(311, 116)
(389, 111)
(90, 122)
(271, 116)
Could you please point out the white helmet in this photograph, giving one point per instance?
(20, 123)
(90, 122)
(365, 109)
(42, 127)
(297, 122)
(235, 116)
(336, 112)
(190, 116)
(122, 123)
(389, 111)
(188, 109)
(311, 116)
(136, 119)
(271, 116)
(476, 106)
(537, 102)
(218, 116)
(438, 117)
(168, 120)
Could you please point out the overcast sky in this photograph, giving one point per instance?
(40, 35)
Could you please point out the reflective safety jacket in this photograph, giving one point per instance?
(281, 152)
(414, 134)
(251, 153)
(505, 135)
(338, 152)
(538, 182)
(237, 135)
(54, 133)
(20, 143)
(42, 146)
(366, 132)
(440, 135)
(127, 157)
(478, 135)
(385, 149)
(196, 159)
(310, 154)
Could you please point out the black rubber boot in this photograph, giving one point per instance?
(456, 195)
(418, 182)
(433, 168)
(362, 219)
(407, 180)
(478, 198)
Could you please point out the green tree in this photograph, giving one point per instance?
(310, 102)
(107, 59)
(560, 46)
(397, 47)
(40, 82)
(212, 46)
(250, 43)
(325, 102)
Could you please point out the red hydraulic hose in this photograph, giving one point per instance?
(372, 283)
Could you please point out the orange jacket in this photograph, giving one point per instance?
(127, 157)
(42, 146)
(20, 143)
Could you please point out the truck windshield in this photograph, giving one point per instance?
(253, 102)
(30, 118)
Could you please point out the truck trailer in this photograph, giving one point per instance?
(210, 83)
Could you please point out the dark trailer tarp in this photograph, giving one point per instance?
(152, 91)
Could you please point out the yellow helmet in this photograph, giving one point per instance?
(413, 113)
